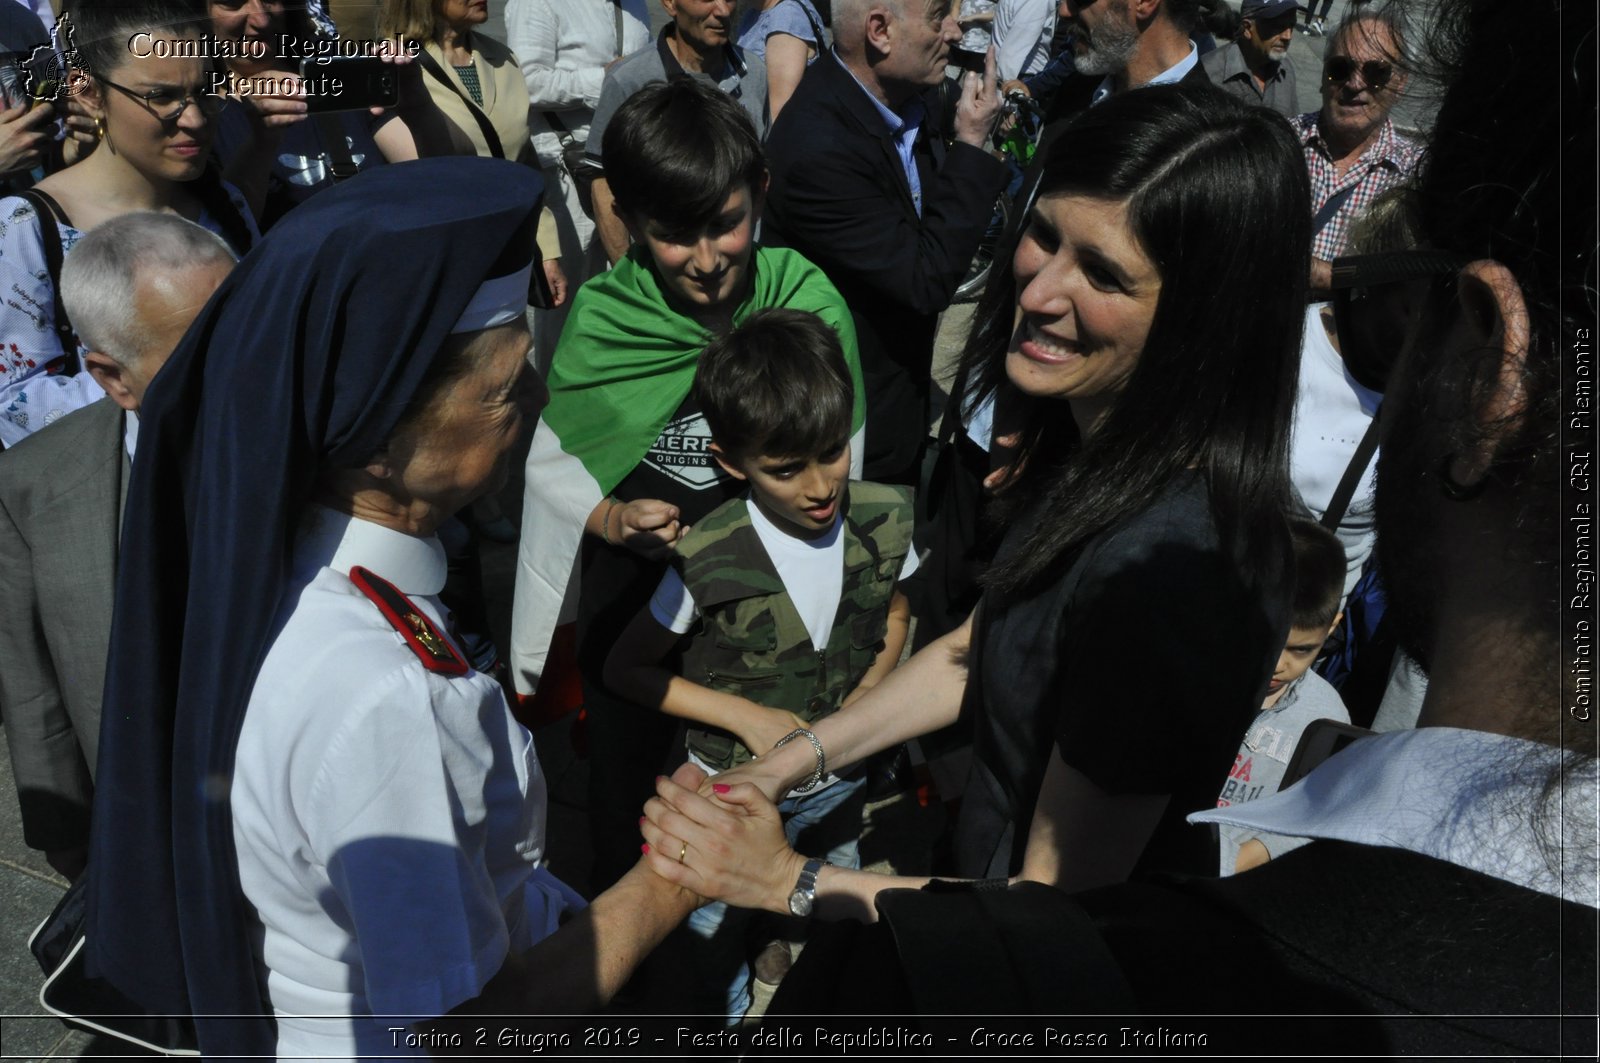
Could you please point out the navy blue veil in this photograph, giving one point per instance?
(303, 360)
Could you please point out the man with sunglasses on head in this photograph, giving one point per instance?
(1352, 148)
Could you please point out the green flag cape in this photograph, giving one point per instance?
(624, 365)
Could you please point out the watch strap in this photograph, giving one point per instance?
(806, 885)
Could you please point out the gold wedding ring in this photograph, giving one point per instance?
(683, 852)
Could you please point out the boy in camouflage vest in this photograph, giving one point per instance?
(790, 597)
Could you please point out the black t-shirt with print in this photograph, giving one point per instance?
(616, 582)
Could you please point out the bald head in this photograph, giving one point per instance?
(850, 23)
(895, 48)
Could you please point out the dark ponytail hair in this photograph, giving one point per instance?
(102, 28)
(1218, 198)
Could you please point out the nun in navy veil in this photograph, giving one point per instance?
(309, 804)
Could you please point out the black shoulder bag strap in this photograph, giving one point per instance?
(341, 163)
(1320, 221)
(49, 212)
(486, 127)
(805, 9)
(1352, 477)
(216, 201)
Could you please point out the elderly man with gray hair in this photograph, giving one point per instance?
(132, 286)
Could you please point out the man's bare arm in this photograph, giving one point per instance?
(613, 234)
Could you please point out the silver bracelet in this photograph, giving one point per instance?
(822, 761)
(605, 522)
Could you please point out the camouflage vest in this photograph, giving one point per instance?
(751, 640)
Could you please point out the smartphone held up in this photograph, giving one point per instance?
(349, 83)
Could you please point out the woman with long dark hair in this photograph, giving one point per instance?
(1447, 906)
(1147, 341)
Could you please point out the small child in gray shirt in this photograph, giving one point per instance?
(1295, 696)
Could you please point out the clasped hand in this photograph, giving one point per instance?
(727, 845)
(766, 728)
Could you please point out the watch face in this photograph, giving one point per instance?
(800, 903)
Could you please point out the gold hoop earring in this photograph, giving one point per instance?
(100, 127)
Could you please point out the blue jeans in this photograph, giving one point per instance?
(719, 959)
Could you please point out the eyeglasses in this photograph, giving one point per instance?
(166, 104)
(1375, 73)
(1376, 301)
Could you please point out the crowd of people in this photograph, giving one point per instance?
(1245, 667)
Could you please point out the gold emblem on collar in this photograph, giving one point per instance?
(426, 635)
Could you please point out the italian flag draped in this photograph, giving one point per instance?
(624, 365)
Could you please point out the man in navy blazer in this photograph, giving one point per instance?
(864, 186)
(131, 288)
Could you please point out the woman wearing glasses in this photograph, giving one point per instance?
(154, 122)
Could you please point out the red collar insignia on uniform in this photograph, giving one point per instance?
(426, 641)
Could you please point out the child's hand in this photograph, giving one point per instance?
(1251, 854)
(757, 773)
(766, 727)
(649, 527)
(855, 695)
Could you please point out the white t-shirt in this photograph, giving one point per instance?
(1264, 756)
(1022, 33)
(1331, 414)
(812, 571)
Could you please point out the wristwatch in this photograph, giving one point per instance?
(804, 895)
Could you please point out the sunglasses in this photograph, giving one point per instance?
(1375, 73)
(1377, 299)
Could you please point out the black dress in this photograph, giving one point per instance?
(1363, 951)
(1142, 662)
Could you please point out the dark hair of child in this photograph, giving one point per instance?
(1319, 570)
(777, 385)
(676, 150)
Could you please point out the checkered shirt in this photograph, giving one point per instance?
(1388, 162)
